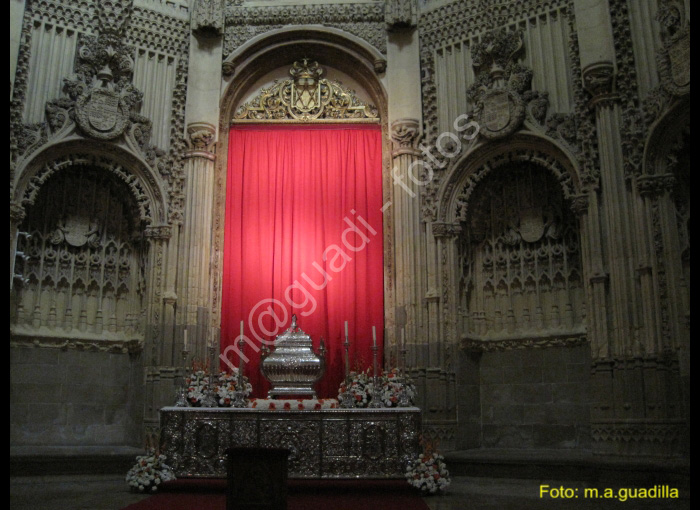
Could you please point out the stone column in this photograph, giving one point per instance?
(194, 278)
(194, 267)
(159, 392)
(16, 15)
(630, 371)
(407, 233)
(17, 214)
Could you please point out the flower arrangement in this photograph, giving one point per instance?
(197, 384)
(428, 472)
(357, 388)
(150, 469)
(226, 385)
(307, 404)
(393, 385)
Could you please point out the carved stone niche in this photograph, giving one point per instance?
(85, 277)
(520, 259)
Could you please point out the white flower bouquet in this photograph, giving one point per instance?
(197, 384)
(226, 386)
(357, 388)
(428, 472)
(393, 385)
(149, 472)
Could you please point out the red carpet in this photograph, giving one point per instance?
(302, 495)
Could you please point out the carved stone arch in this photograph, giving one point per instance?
(144, 184)
(517, 257)
(474, 165)
(664, 137)
(278, 48)
(331, 47)
(95, 213)
(664, 187)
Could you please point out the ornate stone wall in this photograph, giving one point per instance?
(591, 112)
(536, 162)
(96, 158)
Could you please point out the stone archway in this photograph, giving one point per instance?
(279, 48)
(513, 293)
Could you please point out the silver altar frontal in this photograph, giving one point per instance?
(293, 367)
(331, 443)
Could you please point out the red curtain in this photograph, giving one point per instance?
(303, 235)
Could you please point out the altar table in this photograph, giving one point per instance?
(329, 443)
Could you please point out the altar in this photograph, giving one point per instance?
(328, 443)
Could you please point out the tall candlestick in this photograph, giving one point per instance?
(185, 340)
(399, 361)
(347, 356)
(374, 336)
(240, 352)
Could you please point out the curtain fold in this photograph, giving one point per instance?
(303, 235)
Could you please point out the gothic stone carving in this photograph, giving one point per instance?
(469, 344)
(598, 79)
(208, 18)
(501, 92)
(364, 20)
(85, 275)
(655, 185)
(306, 97)
(136, 187)
(674, 57)
(405, 134)
(401, 14)
(521, 274)
(201, 136)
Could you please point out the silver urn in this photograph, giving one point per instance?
(293, 367)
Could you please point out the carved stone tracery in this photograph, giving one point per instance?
(86, 271)
(364, 20)
(521, 272)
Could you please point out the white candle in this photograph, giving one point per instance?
(241, 331)
(185, 342)
(374, 336)
(346, 330)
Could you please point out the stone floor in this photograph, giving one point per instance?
(109, 492)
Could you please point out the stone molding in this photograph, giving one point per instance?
(544, 342)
